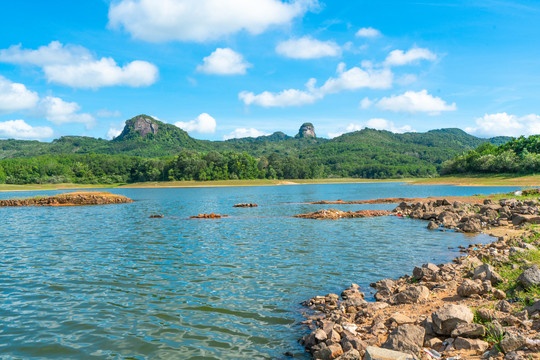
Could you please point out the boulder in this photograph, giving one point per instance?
(469, 331)
(375, 353)
(470, 344)
(426, 272)
(534, 308)
(472, 225)
(470, 287)
(504, 306)
(449, 317)
(512, 342)
(432, 225)
(530, 277)
(518, 219)
(411, 295)
(406, 337)
(487, 272)
(350, 355)
(328, 353)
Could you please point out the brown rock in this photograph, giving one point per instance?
(470, 344)
(411, 295)
(449, 317)
(406, 338)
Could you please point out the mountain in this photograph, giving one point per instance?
(364, 153)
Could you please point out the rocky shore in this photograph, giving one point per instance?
(333, 214)
(483, 305)
(78, 198)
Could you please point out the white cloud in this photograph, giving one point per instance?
(61, 112)
(114, 131)
(406, 79)
(503, 124)
(413, 102)
(15, 96)
(105, 113)
(53, 54)
(224, 62)
(366, 103)
(75, 66)
(201, 20)
(243, 132)
(104, 72)
(378, 124)
(204, 123)
(353, 79)
(290, 97)
(368, 32)
(19, 129)
(308, 48)
(383, 124)
(414, 55)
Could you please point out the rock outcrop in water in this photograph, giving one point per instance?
(70, 199)
(333, 214)
(245, 205)
(208, 216)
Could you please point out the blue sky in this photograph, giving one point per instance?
(231, 68)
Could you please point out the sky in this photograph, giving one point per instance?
(221, 69)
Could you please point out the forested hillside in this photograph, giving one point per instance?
(150, 150)
(519, 156)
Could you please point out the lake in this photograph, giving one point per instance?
(108, 282)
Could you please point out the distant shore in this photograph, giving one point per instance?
(502, 180)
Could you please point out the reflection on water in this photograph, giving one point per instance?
(108, 282)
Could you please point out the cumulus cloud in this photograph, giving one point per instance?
(244, 132)
(368, 32)
(414, 55)
(308, 48)
(19, 129)
(378, 124)
(366, 103)
(352, 79)
(413, 102)
(114, 131)
(15, 96)
(201, 20)
(224, 62)
(503, 124)
(61, 112)
(75, 66)
(105, 113)
(204, 124)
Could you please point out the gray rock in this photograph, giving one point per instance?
(487, 272)
(329, 353)
(432, 225)
(518, 219)
(512, 342)
(470, 287)
(471, 226)
(411, 295)
(350, 355)
(499, 294)
(449, 317)
(469, 331)
(504, 306)
(534, 308)
(406, 337)
(470, 344)
(530, 277)
(375, 353)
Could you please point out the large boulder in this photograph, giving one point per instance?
(449, 317)
(530, 277)
(375, 353)
(512, 342)
(487, 272)
(411, 295)
(472, 225)
(470, 287)
(330, 352)
(426, 272)
(406, 337)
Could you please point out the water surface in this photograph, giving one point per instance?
(108, 282)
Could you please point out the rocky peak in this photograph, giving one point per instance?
(145, 125)
(307, 130)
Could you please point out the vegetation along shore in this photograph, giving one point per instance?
(483, 305)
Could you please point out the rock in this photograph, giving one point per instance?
(530, 277)
(470, 287)
(504, 306)
(349, 342)
(156, 216)
(375, 353)
(350, 293)
(471, 226)
(470, 344)
(334, 214)
(350, 355)
(433, 343)
(487, 272)
(245, 205)
(449, 317)
(411, 295)
(401, 319)
(499, 294)
(534, 308)
(469, 331)
(329, 353)
(426, 272)
(518, 219)
(406, 338)
(512, 342)
(432, 225)
(307, 130)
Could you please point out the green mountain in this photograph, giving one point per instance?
(366, 153)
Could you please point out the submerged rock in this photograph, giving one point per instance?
(333, 214)
(77, 198)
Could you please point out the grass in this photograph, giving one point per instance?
(38, 187)
(482, 180)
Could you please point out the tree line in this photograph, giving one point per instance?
(519, 156)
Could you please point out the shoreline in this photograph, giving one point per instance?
(406, 317)
(488, 181)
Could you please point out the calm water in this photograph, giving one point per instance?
(108, 282)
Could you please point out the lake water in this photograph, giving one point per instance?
(108, 282)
